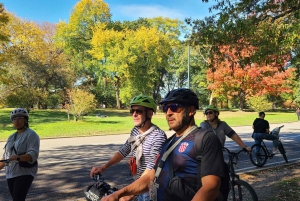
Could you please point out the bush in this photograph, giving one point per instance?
(259, 103)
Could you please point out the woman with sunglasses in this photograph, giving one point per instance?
(144, 142)
(22, 150)
(220, 128)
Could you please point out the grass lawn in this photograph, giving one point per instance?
(55, 124)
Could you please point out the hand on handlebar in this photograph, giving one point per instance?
(247, 149)
(97, 170)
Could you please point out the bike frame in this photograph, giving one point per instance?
(232, 174)
(269, 154)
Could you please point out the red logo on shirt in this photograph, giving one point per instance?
(183, 147)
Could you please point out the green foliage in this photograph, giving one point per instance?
(80, 103)
(53, 101)
(23, 98)
(259, 103)
(54, 124)
(4, 34)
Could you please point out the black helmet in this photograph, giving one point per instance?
(182, 96)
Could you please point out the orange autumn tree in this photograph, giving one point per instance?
(230, 79)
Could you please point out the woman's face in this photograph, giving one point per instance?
(19, 122)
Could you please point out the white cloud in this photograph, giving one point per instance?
(133, 12)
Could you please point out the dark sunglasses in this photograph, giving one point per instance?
(210, 112)
(174, 107)
(138, 111)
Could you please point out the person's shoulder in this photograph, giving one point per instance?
(31, 131)
(159, 132)
(203, 131)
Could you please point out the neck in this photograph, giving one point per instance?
(213, 123)
(22, 130)
(184, 129)
(147, 125)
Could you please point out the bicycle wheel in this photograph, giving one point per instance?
(282, 151)
(242, 191)
(258, 156)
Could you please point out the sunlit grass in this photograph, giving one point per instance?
(54, 123)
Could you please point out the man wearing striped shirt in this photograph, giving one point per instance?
(144, 142)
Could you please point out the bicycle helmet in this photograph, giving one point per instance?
(212, 107)
(182, 96)
(20, 112)
(145, 101)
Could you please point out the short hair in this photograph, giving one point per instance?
(262, 113)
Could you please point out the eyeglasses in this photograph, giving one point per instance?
(174, 107)
(209, 112)
(138, 111)
(16, 118)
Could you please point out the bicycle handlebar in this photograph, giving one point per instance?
(235, 153)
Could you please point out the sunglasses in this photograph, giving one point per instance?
(138, 111)
(16, 118)
(210, 112)
(174, 107)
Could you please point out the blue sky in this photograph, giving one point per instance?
(55, 10)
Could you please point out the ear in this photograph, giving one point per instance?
(150, 113)
(191, 110)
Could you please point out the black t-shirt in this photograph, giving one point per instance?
(260, 125)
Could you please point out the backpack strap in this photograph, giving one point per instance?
(198, 147)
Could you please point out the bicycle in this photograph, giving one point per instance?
(239, 189)
(260, 152)
(99, 189)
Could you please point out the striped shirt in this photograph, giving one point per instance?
(151, 148)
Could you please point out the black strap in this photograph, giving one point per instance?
(198, 147)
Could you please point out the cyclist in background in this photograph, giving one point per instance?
(146, 137)
(261, 131)
(220, 128)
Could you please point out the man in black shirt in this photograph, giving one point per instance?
(261, 131)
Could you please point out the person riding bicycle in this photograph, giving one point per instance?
(220, 128)
(262, 131)
(145, 141)
(22, 150)
(180, 106)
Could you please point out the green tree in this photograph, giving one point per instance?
(34, 62)
(138, 57)
(270, 26)
(79, 106)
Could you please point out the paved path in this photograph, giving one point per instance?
(65, 163)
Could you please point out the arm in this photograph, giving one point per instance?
(209, 190)
(24, 157)
(137, 187)
(240, 142)
(114, 160)
(2, 164)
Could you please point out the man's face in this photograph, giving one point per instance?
(210, 115)
(174, 115)
(18, 122)
(138, 114)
